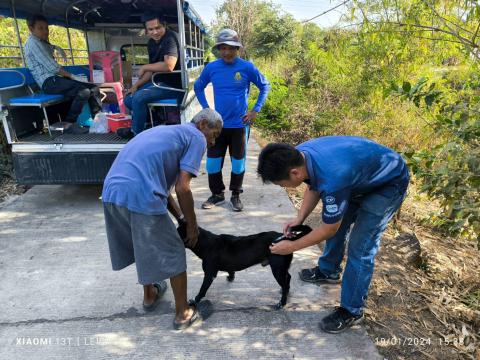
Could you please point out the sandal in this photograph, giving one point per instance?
(161, 288)
(201, 311)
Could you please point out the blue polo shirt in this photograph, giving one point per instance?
(343, 167)
(231, 87)
(146, 169)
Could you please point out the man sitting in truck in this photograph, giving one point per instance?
(163, 55)
(51, 77)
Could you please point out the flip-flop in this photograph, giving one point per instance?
(161, 288)
(201, 312)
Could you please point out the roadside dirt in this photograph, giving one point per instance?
(8, 188)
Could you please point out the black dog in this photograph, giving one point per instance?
(234, 253)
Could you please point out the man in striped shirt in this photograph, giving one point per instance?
(50, 76)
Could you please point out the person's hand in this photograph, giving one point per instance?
(283, 247)
(249, 117)
(132, 90)
(192, 235)
(289, 224)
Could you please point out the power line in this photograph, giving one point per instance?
(326, 11)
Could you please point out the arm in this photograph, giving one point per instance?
(40, 52)
(173, 208)
(200, 86)
(185, 199)
(167, 65)
(264, 86)
(310, 200)
(322, 233)
(64, 73)
(142, 81)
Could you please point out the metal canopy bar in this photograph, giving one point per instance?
(120, 25)
(17, 31)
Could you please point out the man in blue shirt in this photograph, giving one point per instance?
(231, 77)
(136, 196)
(360, 182)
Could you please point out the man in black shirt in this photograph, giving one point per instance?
(163, 54)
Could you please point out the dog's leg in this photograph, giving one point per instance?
(279, 265)
(285, 289)
(207, 281)
(231, 276)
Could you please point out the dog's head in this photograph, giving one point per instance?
(296, 232)
(182, 232)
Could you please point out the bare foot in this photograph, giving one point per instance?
(150, 295)
(184, 316)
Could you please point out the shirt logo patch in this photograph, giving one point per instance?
(330, 199)
(238, 76)
(332, 208)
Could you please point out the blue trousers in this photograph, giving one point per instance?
(139, 100)
(369, 216)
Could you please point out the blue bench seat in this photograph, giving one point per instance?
(164, 102)
(35, 99)
(18, 78)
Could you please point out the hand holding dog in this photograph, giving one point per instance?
(289, 224)
(192, 235)
(284, 247)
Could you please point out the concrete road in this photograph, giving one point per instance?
(61, 300)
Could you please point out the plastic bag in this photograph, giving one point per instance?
(100, 124)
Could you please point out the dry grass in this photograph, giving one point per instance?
(8, 187)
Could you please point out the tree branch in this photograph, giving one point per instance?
(476, 33)
(326, 11)
(445, 20)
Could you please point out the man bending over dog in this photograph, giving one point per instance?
(360, 182)
(136, 197)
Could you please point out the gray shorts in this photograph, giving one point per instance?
(150, 241)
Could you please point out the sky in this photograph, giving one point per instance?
(300, 9)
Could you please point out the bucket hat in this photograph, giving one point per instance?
(228, 37)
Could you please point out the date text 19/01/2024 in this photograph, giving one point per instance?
(413, 341)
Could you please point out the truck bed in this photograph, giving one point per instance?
(59, 138)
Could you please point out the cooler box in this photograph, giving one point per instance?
(117, 121)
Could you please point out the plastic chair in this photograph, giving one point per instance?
(110, 64)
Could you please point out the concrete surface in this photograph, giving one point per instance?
(61, 300)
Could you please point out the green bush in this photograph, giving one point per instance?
(274, 114)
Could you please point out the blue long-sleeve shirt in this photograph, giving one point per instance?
(231, 87)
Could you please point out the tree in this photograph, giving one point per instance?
(239, 15)
(438, 20)
(272, 33)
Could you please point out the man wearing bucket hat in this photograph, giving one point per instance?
(231, 77)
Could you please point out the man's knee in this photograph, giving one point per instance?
(214, 165)
(84, 94)
(128, 101)
(95, 91)
(138, 100)
(238, 166)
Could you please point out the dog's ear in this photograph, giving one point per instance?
(300, 230)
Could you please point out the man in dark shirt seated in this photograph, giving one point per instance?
(163, 54)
